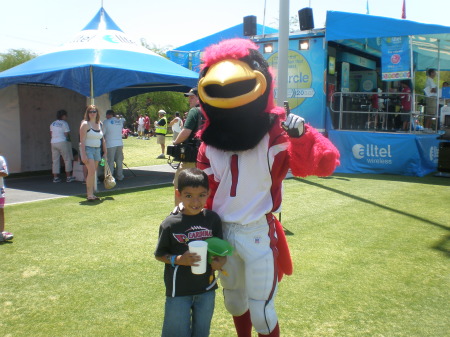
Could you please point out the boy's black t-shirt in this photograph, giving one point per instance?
(175, 232)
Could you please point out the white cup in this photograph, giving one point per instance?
(201, 249)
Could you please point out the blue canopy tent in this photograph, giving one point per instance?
(431, 43)
(393, 153)
(102, 59)
(189, 55)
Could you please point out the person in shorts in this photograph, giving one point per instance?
(4, 236)
(161, 131)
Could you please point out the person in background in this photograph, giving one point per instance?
(112, 131)
(4, 236)
(61, 147)
(141, 128)
(405, 101)
(161, 131)
(146, 127)
(431, 99)
(189, 297)
(91, 135)
(193, 123)
(176, 125)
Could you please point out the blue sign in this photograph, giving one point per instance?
(306, 71)
(395, 58)
(369, 152)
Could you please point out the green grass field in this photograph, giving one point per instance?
(371, 258)
(139, 152)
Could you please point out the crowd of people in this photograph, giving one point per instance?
(103, 140)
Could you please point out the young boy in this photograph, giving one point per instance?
(4, 236)
(189, 297)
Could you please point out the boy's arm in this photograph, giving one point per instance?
(187, 259)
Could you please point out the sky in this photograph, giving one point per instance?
(40, 26)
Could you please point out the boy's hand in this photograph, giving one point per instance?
(218, 262)
(188, 259)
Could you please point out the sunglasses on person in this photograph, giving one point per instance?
(93, 111)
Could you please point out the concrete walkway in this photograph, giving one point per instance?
(28, 189)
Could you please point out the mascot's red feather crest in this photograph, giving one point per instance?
(234, 48)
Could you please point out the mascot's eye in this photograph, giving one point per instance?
(203, 72)
(256, 65)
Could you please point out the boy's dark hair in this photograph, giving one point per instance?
(429, 71)
(60, 114)
(192, 177)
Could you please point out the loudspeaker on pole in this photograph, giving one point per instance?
(305, 16)
(249, 25)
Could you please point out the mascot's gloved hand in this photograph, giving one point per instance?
(294, 125)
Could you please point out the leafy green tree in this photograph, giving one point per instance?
(15, 57)
(150, 104)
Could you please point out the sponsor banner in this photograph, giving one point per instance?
(395, 58)
(368, 152)
(307, 71)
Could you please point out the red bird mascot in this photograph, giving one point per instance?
(247, 150)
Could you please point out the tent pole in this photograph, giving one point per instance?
(413, 77)
(91, 76)
(437, 89)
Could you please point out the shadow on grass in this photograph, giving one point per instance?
(443, 245)
(373, 203)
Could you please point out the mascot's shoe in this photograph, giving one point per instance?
(6, 236)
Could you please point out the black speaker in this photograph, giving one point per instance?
(305, 16)
(444, 157)
(249, 25)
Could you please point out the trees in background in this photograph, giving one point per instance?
(14, 57)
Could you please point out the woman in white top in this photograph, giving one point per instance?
(61, 147)
(90, 142)
(176, 125)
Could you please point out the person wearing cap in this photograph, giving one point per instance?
(112, 131)
(161, 131)
(194, 121)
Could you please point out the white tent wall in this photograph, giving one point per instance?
(26, 113)
(10, 144)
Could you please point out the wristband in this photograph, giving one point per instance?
(172, 260)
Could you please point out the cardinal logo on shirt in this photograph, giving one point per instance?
(193, 233)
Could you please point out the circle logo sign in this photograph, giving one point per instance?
(358, 151)
(395, 59)
(299, 77)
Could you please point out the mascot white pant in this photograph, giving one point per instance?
(253, 287)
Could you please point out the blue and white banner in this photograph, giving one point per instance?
(395, 58)
(369, 152)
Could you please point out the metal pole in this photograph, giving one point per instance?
(413, 98)
(283, 49)
(436, 128)
(91, 75)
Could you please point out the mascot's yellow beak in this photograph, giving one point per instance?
(231, 83)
